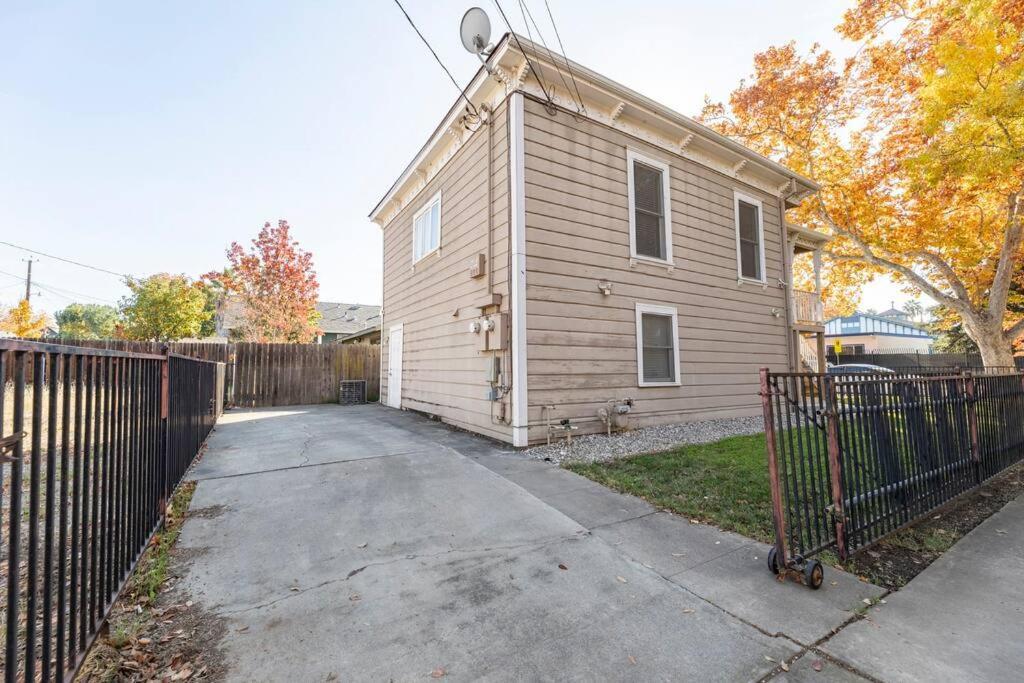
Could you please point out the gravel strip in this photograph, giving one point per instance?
(599, 447)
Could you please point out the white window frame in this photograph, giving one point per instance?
(631, 156)
(737, 197)
(656, 310)
(422, 210)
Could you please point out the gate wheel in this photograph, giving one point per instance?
(814, 575)
(773, 561)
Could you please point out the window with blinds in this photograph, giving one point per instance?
(657, 345)
(426, 229)
(749, 235)
(648, 203)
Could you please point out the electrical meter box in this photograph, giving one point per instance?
(498, 334)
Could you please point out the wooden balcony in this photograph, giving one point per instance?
(808, 311)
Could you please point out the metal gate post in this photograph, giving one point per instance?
(972, 424)
(165, 411)
(835, 465)
(778, 516)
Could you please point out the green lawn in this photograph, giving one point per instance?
(724, 483)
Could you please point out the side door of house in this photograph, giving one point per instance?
(395, 366)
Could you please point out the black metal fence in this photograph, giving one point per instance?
(855, 457)
(907, 359)
(94, 441)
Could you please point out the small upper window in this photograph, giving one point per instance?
(657, 345)
(749, 238)
(650, 216)
(426, 229)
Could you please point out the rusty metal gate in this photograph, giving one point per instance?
(852, 458)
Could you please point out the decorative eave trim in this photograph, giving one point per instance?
(507, 70)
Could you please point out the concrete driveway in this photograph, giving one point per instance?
(365, 543)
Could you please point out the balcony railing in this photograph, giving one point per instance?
(807, 308)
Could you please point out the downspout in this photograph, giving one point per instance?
(792, 354)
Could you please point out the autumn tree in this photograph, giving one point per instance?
(22, 321)
(87, 321)
(163, 307)
(277, 285)
(918, 145)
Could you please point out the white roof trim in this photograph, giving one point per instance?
(607, 102)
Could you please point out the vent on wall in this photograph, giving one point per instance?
(353, 392)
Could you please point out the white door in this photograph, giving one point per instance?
(395, 367)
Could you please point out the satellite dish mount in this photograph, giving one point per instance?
(475, 31)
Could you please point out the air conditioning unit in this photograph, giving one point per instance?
(353, 392)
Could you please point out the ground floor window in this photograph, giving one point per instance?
(657, 345)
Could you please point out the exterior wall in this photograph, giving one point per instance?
(881, 343)
(444, 373)
(581, 344)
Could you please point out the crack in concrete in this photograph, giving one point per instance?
(532, 546)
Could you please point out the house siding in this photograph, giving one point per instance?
(444, 373)
(581, 344)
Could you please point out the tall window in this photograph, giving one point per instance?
(426, 229)
(657, 345)
(749, 238)
(650, 216)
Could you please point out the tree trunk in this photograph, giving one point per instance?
(995, 350)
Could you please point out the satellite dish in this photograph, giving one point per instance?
(475, 30)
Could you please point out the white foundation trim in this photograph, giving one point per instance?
(520, 410)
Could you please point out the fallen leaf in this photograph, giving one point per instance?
(769, 658)
(622, 580)
(784, 665)
(295, 588)
(689, 611)
(1000, 531)
(354, 597)
(835, 583)
(439, 672)
(678, 554)
(242, 630)
(866, 601)
(144, 641)
(563, 567)
(632, 659)
(188, 603)
(361, 545)
(694, 521)
(817, 665)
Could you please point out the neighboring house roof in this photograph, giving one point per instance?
(867, 324)
(895, 313)
(347, 319)
(336, 318)
(606, 101)
(375, 329)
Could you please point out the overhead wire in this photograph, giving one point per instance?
(65, 260)
(536, 72)
(565, 57)
(462, 91)
(525, 9)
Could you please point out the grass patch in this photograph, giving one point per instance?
(724, 483)
(151, 572)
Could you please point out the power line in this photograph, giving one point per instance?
(65, 260)
(461, 90)
(525, 9)
(53, 289)
(529, 62)
(565, 57)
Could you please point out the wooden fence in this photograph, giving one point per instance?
(297, 374)
(258, 375)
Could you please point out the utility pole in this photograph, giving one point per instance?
(28, 279)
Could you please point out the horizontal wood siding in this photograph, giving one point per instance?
(581, 344)
(444, 373)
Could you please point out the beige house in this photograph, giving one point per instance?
(613, 265)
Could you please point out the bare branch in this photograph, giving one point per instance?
(954, 281)
(1016, 330)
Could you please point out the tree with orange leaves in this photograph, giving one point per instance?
(276, 284)
(22, 321)
(918, 144)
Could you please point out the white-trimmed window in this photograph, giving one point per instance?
(650, 208)
(749, 238)
(657, 346)
(426, 229)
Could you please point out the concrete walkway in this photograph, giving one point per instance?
(961, 619)
(364, 543)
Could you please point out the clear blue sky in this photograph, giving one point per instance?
(146, 136)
